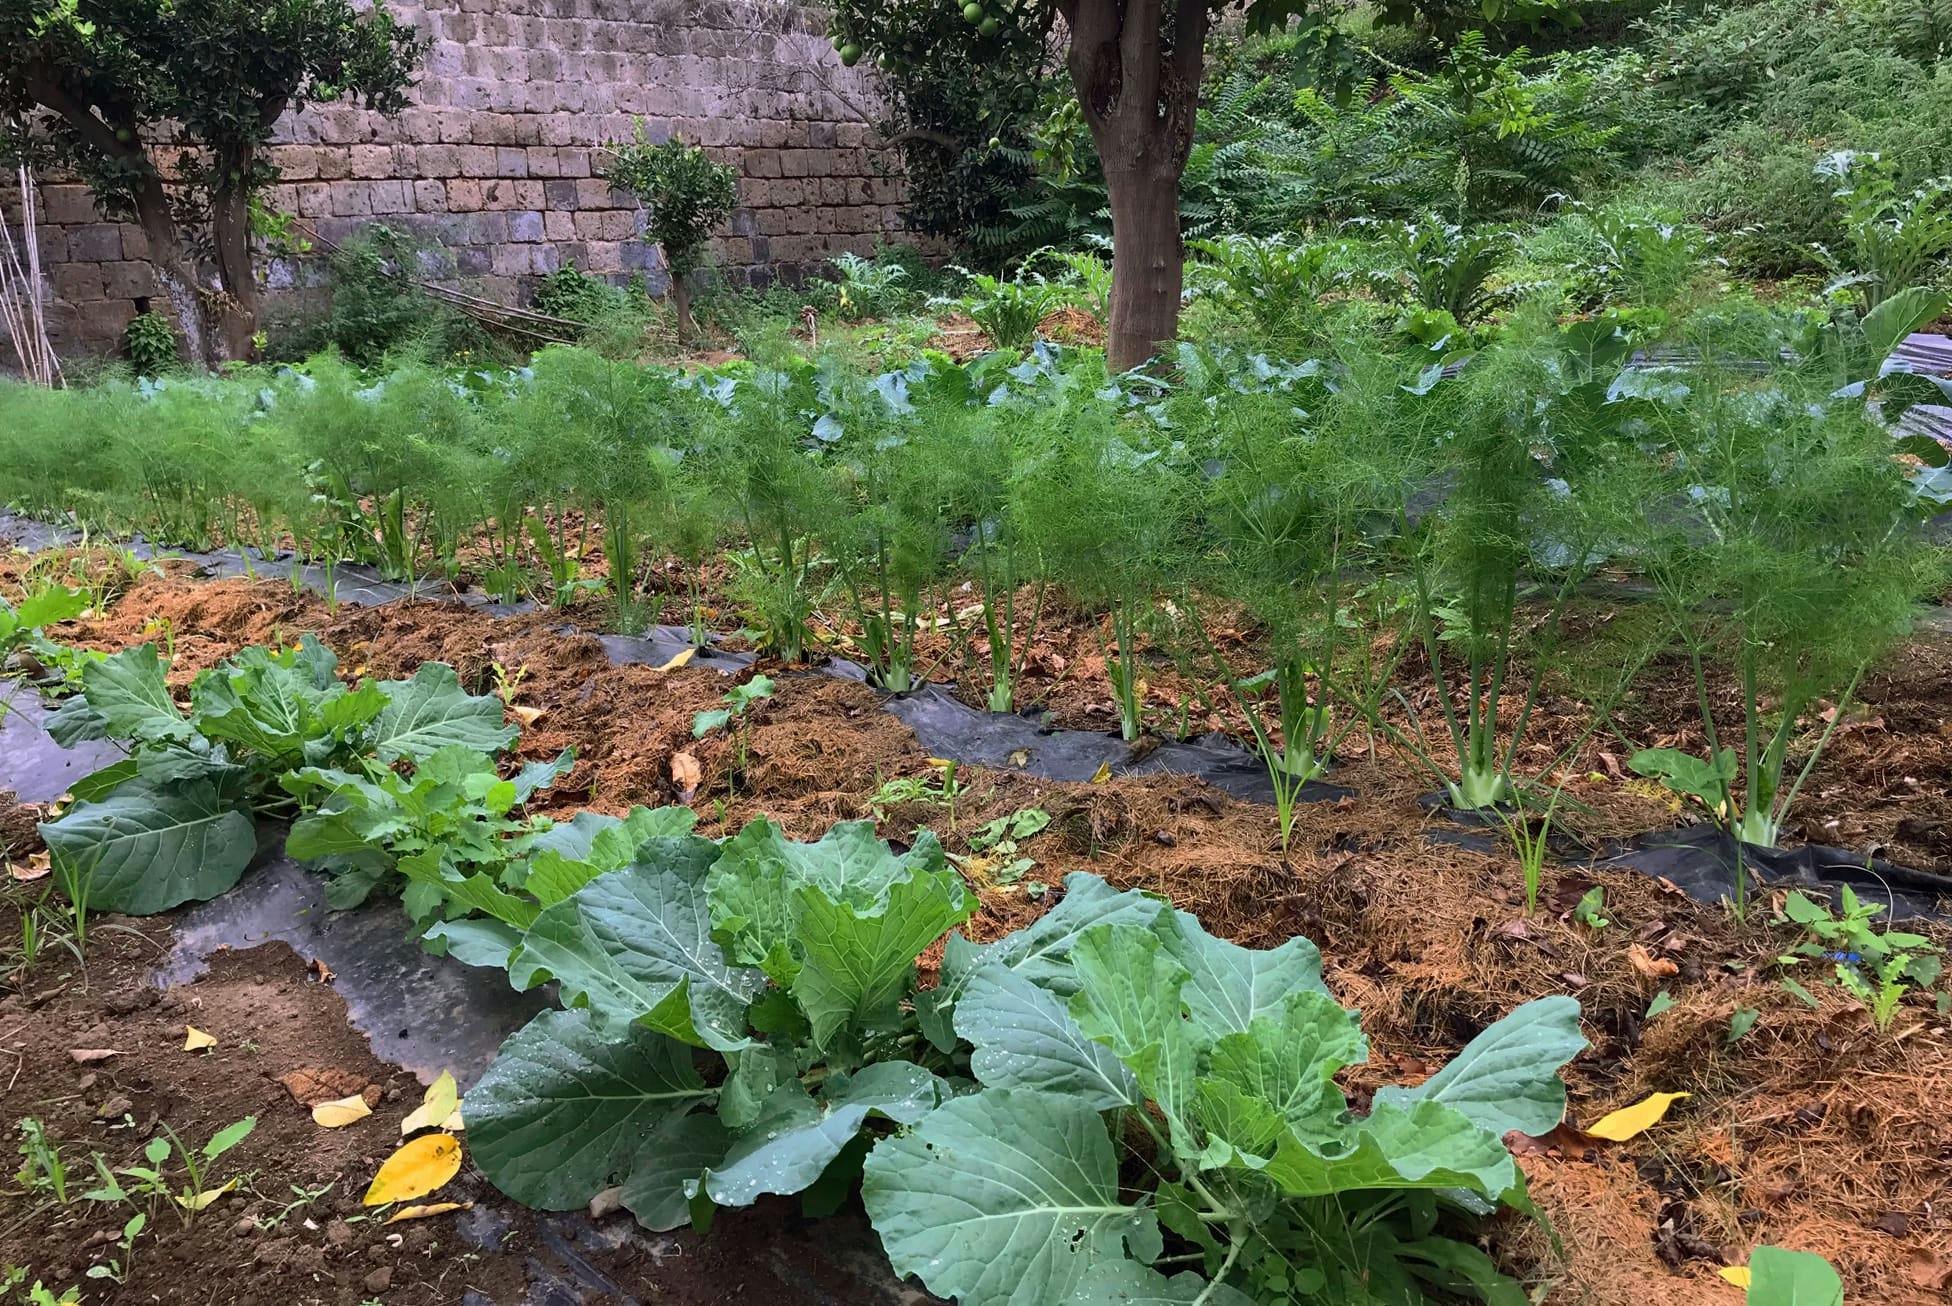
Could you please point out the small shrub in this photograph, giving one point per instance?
(862, 288)
(150, 343)
(685, 195)
(1009, 309)
(1444, 267)
(377, 308)
(617, 321)
(1270, 283)
(1895, 240)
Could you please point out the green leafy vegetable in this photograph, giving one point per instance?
(795, 963)
(145, 848)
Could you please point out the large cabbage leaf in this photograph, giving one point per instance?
(568, 1107)
(1009, 1196)
(431, 711)
(147, 847)
(1507, 1078)
(635, 946)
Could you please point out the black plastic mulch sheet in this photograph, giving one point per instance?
(948, 727)
(424, 1013)
(1700, 860)
(37, 769)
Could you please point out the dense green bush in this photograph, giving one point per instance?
(376, 307)
(1749, 97)
(149, 342)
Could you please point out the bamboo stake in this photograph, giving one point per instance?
(22, 309)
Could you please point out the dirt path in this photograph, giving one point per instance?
(293, 1231)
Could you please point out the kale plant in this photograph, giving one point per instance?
(173, 822)
(745, 1018)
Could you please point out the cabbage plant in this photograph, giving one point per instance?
(744, 1018)
(174, 821)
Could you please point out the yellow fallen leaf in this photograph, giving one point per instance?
(417, 1169)
(340, 1113)
(453, 1124)
(436, 1105)
(1629, 1121)
(204, 1198)
(528, 716)
(431, 1208)
(679, 660)
(195, 1040)
(686, 774)
(1102, 774)
(1735, 1274)
(37, 867)
(940, 763)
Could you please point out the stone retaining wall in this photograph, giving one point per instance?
(494, 160)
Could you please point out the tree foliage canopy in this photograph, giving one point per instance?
(221, 71)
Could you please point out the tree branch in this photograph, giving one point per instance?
(1094, 58)
(41, 83)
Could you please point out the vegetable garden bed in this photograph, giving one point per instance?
(1428, 942)
(1089, 752)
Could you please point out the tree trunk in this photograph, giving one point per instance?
(176, 272)
(680, 296)
(237, 310)
(1140, 94)
(1148, 267)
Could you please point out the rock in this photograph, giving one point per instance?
(338, 1233)
(308, 1259)
(115, 1108)
(244, 1227)
(310, 1085)
(378, 1281)
(130, 1000)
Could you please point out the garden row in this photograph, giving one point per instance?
(1371, 513)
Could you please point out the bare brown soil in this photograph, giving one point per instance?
(293, 1232)
(1813, 1130)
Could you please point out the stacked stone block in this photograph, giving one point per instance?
(496, 161)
